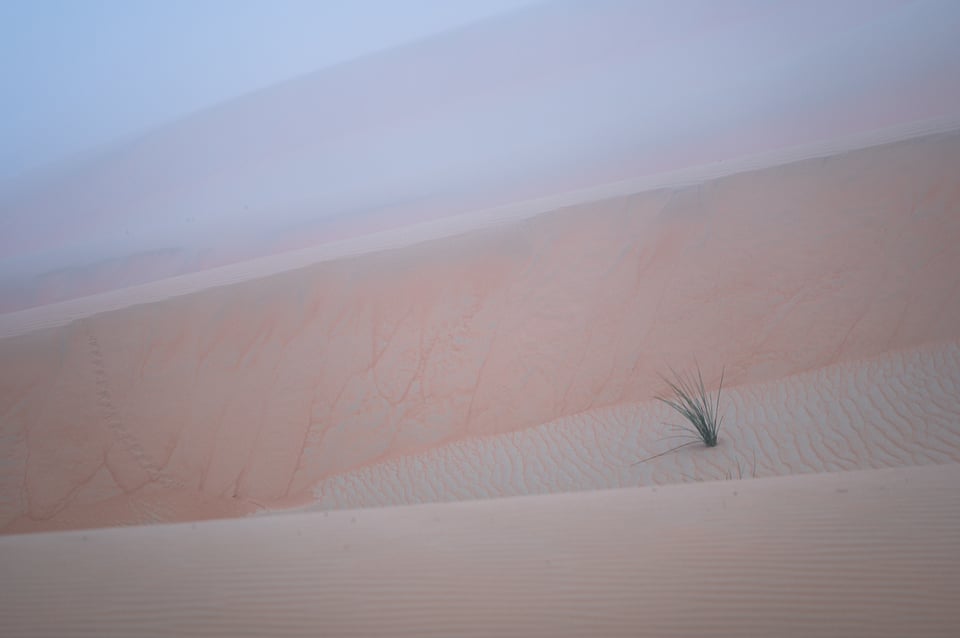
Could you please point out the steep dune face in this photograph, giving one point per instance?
(223, 401)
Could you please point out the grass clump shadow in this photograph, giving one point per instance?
(743, 471)
(690, 398)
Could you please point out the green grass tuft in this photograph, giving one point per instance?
(691, 400)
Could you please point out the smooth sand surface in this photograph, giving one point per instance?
(859, 554)
(250, 396)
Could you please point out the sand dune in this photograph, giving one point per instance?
(372, 233)
(248, 396)
(898, 409)
(860, 554)
(299, 351)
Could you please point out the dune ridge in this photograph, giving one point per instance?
(460, 218)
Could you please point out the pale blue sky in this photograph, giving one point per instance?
(78, 74)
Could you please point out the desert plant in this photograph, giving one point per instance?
(691, 400)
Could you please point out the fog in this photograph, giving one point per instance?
(80, 75)
(150, 140)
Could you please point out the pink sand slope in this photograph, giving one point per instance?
(829, 289)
